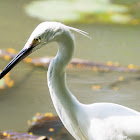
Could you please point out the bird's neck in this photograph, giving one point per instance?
(64, 101)
(56, 72)
(67, 106)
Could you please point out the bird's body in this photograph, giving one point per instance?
(98, 121)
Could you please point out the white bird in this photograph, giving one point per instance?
(97, 121)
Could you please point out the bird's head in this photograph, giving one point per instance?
(43, 34)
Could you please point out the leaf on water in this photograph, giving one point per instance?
(77, 10)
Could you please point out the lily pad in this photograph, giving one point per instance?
(72, 11)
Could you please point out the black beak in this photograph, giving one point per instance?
(20, 56)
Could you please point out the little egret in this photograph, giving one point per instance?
(98, 121)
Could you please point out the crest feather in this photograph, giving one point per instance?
(79, 31)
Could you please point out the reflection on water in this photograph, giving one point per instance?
(30, 94)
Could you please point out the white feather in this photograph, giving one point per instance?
(79, 31)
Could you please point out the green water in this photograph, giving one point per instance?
(118, 43)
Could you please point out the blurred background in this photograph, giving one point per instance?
(114, 27)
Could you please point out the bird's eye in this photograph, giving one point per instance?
(37, 39)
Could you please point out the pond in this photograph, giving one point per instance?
(30, 94)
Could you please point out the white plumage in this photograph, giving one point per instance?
(98, 121)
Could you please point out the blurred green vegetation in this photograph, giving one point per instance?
(89, 11)
(134, 6)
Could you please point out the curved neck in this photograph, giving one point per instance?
(61, 96)
(67, 106)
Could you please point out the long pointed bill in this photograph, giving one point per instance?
(20, 56)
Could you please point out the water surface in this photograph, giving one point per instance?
(118, 43)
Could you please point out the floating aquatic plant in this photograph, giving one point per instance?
(75, 63)
(75, 11)
(10, 135)
(96, 87)
(37, 117)
(6, 82)
(48, 125)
